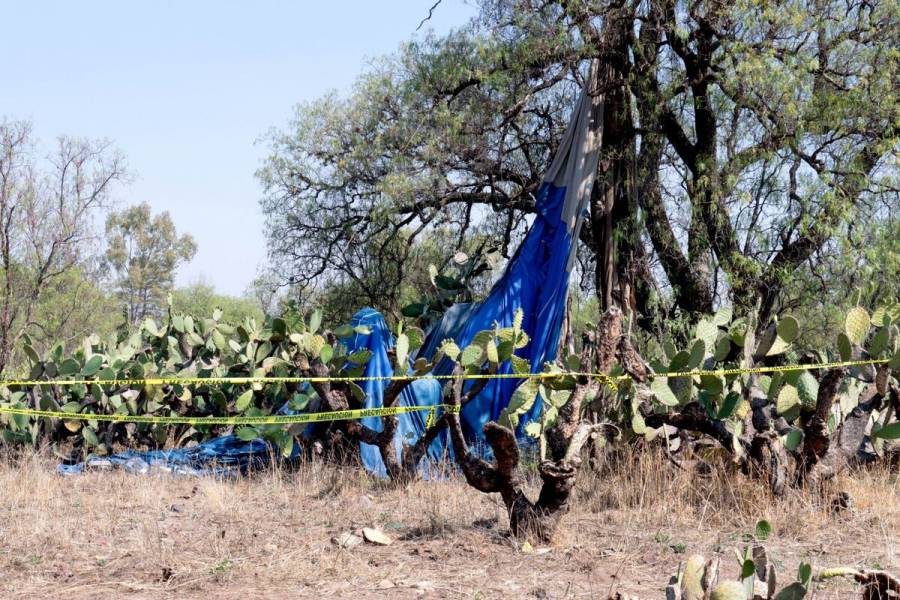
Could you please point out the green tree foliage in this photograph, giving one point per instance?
(740, 140)
(202, 299)
(143, 254)
(865, 259)
(355, 182)
(75, 306)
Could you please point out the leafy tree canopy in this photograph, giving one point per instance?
(201, 299)
(744, 143)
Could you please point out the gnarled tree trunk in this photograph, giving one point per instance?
(538, 518)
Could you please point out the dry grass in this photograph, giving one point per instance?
(106, 535)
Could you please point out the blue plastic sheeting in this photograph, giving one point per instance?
(422, 392)
(535, 280)
(224, 455)
(449, 327)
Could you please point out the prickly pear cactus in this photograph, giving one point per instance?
(721, 343)
(729, 590)
(182, 346)
(692, 578)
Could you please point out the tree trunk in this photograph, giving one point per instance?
(613, 205)
(538, 518)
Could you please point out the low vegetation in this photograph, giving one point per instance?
(634, 518)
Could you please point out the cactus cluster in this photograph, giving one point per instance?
(718, 342)
(187, 346)
(491, 349)
(450, 285)
(722, 343)
(871, 337)
(181, 346)
(207, 347)
(698, 578)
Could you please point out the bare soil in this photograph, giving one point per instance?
(271, 534)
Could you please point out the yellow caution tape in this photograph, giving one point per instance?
(342, 415)
(251, 380)
(777, 369)
(388, 378)
(613, 380)
(337, 415)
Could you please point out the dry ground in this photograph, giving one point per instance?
(112, 535)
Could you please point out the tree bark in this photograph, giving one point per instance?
(613, 205)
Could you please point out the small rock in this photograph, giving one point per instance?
(841, 502)
(526, 548)
(347, 540)
(385, 584)
(376, 536)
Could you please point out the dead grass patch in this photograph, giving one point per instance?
(269, 534)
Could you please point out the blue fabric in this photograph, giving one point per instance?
(224, 455)
(422, 392)
(220, 456)
(535, 280)
(449, 327)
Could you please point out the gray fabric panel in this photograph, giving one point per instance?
(575, 163)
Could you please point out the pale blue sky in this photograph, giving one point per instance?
(185, 89)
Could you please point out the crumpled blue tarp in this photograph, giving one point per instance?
(224, 455)
(535, 280)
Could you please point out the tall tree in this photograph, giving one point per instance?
(143, 253)
(740, 139)
(46, 211)
(780, 122)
